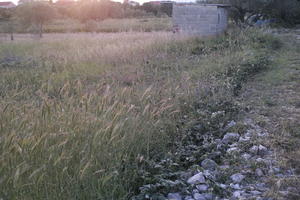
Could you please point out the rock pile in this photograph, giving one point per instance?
(235, 166)
(244, 171)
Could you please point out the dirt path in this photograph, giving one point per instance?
(273, 101)
(253, 157)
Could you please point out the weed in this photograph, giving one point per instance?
(93, 111)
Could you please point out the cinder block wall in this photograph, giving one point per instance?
(200, 20)
(223, 20)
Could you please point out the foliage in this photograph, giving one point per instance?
(284, 11)
(36, 14)
(100, 10)
(7, 19)
(97, 10)
(157, 10)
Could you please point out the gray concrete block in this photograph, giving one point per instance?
(199, 19)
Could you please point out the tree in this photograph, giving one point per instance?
(36, 13)
(151, 8)
(97, 10)
(241, 8)
(287, 11)
(167, 8)
(7, 17)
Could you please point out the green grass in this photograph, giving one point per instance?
(81, 112)
(273, 97)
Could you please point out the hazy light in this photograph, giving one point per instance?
(140, 1)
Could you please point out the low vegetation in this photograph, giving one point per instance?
(147, 24)
(82, 114)
(274, 99)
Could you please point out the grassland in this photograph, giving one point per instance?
(82, 113)
(147, 24)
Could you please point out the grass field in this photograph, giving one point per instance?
(81, 113)
(147, 24)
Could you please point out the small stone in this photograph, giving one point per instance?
(237, 178)
(276, 169)
(290, 172)
(254, 150)
(230, 125)
(284, 193)
(233, 150)
(246, 170)
(244, 139)
(233, 145)
(202, 188)
(198, 127)
(224, 167)
(248, 121)
(237, 194)
(279, 175)
(263, 134)
(249, 187)
(217, 141)
(210, 174)
(263, 161)
(255, 192)
(220, 147)
(230, 138)
(188, 198)
(292, 190)
(271, 172)
(223, 186)
(214, 155)
(235, 186)
(198, 178)
(261, 186)
(195, 191)
(246, 156)
(249, 133)
(259, 172)
(257, 129)
(262, 150)
(246, 195)
(174, 196)
(198, 196)
(208, 196)
(209, 164)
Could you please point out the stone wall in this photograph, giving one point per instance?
(204, 20)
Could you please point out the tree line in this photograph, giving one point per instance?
(285, 12)
(36, 14)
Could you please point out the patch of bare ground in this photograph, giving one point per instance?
(272, 99)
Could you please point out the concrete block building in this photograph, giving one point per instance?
(200, 19)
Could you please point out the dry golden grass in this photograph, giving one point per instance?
(79, 112)
(78, 109)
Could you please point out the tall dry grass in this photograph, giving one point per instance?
(80, 112)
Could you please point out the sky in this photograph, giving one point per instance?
(140, 1)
